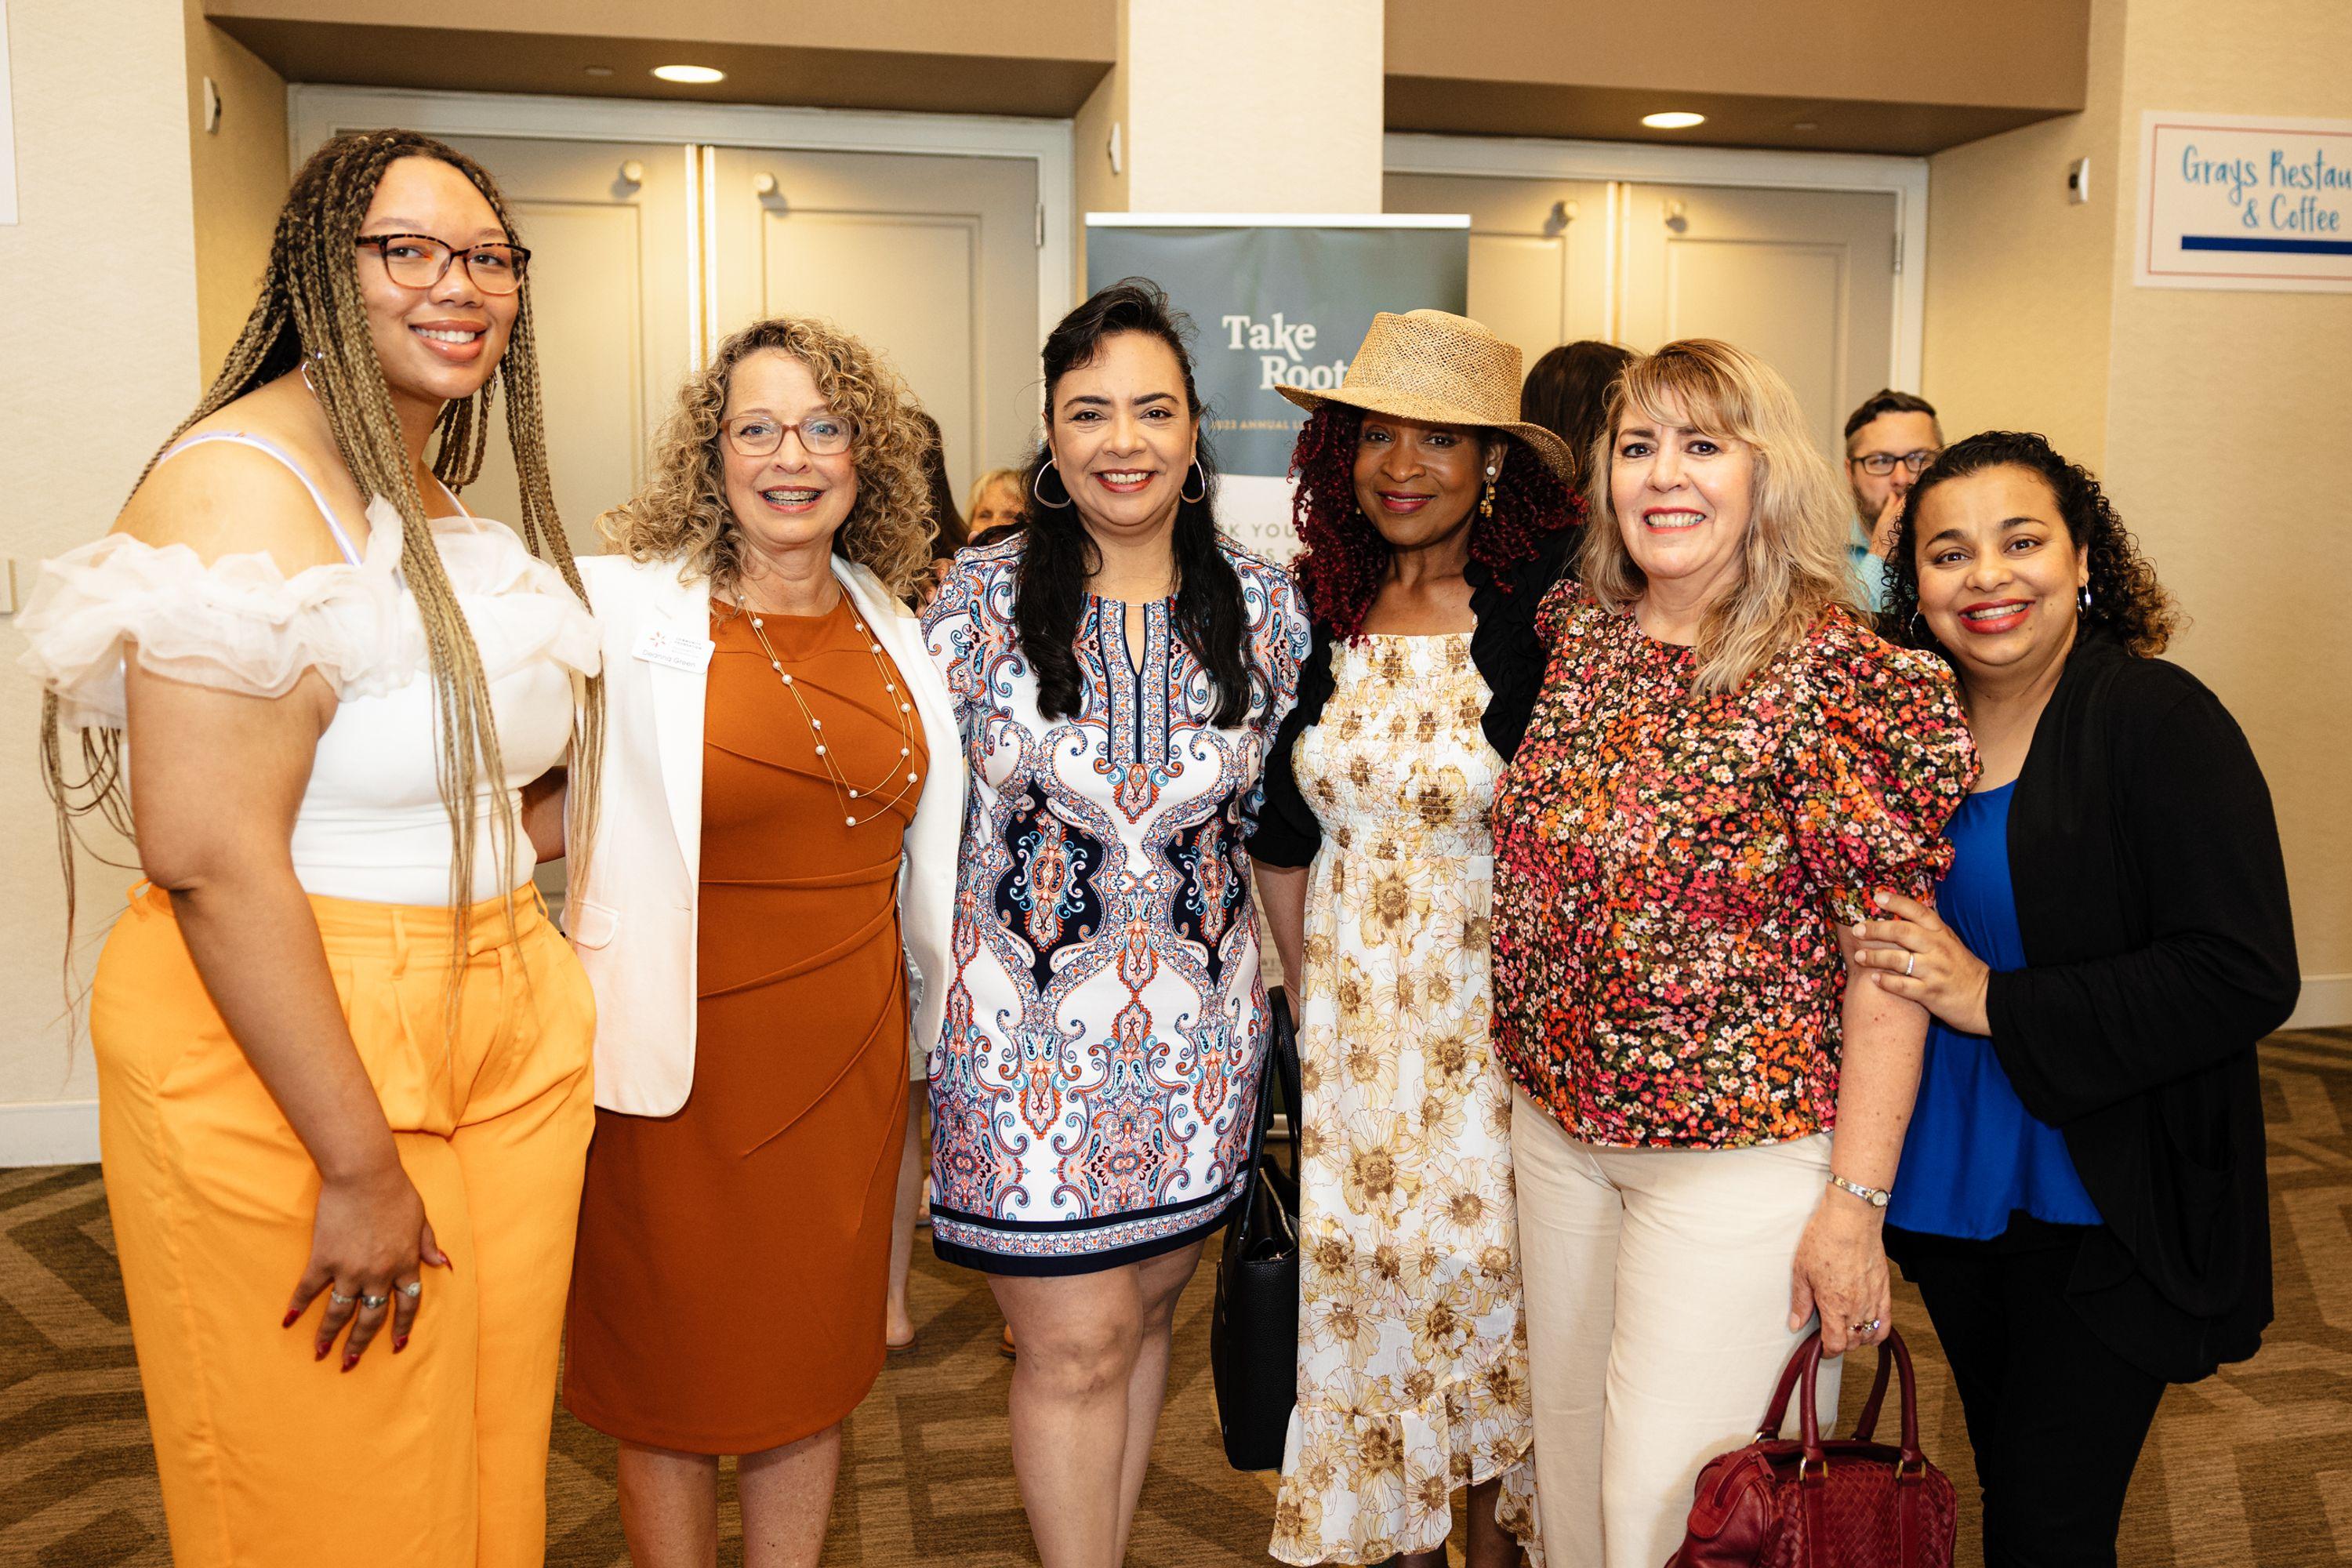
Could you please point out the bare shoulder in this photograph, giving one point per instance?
(228, 498)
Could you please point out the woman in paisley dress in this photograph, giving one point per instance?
(1435, 522)
(1119, 670)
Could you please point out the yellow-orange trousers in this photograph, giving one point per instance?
(437, 1457)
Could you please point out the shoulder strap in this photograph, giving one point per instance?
(239, 437)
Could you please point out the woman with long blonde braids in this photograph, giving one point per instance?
(343, 1056)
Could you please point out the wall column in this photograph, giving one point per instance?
(1238, 106)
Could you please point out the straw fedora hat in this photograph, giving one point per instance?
(1443, 369)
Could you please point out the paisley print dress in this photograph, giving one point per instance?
(1413, 1351)
(1094, 1081)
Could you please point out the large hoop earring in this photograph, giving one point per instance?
(1203, 474)
(2083, 599)
(1037, 489)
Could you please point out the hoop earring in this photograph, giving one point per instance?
(1203, 473)
(1919, 625)
(2083, 599)
(1037, 489)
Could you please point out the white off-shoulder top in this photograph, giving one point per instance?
(372, 825)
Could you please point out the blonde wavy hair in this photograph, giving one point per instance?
(1010, 478)
(1792, 566)
(682, 513)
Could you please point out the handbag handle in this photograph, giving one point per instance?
(1802, 1375)
(1281, 1067)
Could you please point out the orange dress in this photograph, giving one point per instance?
(733, 1256)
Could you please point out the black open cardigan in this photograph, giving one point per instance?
(2152, 901)
(1503, 645)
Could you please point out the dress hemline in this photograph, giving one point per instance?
(1047, 1266)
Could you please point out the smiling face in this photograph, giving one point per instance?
(1998, 572)
(1683, 498)
(789, 499)
(1123, 435)
(1418, 482)
(439, 343)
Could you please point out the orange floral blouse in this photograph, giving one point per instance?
(1667, 869)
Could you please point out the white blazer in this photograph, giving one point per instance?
(634, 919)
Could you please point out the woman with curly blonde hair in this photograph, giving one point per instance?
(776, 739)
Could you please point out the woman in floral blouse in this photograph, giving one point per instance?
(1723, 768)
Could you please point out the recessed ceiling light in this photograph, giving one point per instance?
(600, 70)
(699, 75)
(1806, 125)
(1674, 120)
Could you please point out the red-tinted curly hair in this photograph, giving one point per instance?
(1346, 557)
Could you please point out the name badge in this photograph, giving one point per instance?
(675, 651)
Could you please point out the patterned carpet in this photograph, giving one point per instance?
(2251, 1467)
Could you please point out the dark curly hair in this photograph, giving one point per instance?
(1345, 558)
(1050, 593)
(2125, 598)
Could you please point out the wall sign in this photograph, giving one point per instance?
(1277, 300)
(2238, 201)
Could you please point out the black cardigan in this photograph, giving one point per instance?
(2152, 901)
(1503, 645)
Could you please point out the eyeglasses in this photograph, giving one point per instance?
(1884, 462)
(757, 434)
(421, 261)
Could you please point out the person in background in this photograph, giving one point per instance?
(1119, 668)
(2082, 1200)
(999, 505)
(1567, 393)
(1888, 440)
(342, 1050)
(899, 1321)
(1434, 521)
(949, 535)
(1722, 768)
(780, 748)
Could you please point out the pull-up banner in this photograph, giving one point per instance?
(1274, 301)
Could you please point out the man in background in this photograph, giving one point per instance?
(1889, 442)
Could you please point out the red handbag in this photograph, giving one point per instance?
(1849, 1502)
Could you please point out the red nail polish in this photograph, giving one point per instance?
(350, 1360)
(321, 1352)
(399, 1343)
(291, 1314)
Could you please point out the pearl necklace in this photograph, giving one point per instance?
(841, 786)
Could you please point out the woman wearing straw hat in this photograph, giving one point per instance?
(1435, 521)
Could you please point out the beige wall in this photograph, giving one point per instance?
(237, 176)
(1221, 117)
(98, 359)
(2202, 411)
(2020, 277)
(2223, 411)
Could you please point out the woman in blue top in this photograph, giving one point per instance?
(2081, 1197)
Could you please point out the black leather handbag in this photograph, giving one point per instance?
(1254, 1331)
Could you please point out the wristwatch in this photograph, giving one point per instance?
(1877, 1197)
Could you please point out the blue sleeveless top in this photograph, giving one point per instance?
(1974, 1156)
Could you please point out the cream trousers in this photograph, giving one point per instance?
(1657, 1302)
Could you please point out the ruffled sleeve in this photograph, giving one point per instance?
(1878, 759)
(239, 624)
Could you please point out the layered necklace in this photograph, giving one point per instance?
(848, 793)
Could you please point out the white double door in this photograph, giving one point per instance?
(644, 256)
(1804, 279)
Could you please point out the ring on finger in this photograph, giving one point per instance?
(413, 1289)
(1910, 962)
(338, 1298)
(373, 1303)
(1870, 1326)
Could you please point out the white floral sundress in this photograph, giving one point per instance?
(1412, 1358)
